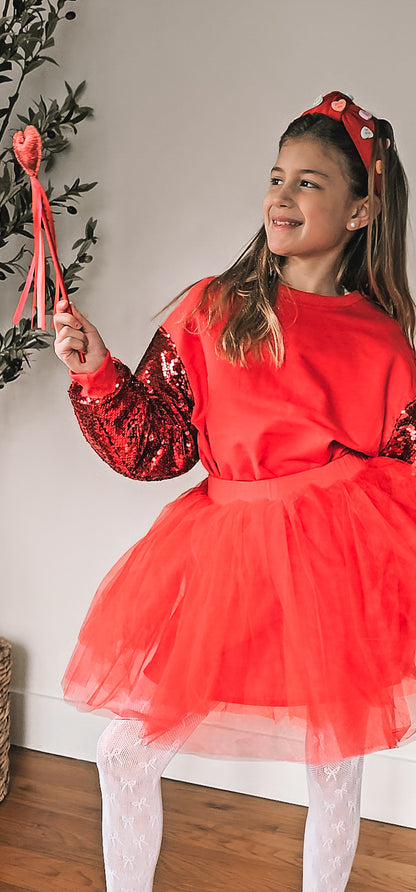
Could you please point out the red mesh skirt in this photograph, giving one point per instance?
(283, 611)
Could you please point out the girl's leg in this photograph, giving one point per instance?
(131, 801)
(332, 825)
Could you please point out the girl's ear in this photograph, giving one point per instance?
(361, 214)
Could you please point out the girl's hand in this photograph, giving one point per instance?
(74, 335)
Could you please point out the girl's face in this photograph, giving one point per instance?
(309, 207)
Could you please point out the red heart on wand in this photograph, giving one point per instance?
(27, 147)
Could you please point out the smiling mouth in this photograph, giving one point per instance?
(285, 223)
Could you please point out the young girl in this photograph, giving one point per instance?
(271, 610)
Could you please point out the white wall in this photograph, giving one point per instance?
(190, 98)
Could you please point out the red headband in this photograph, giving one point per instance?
(358, 123)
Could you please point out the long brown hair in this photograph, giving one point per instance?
(373, 261)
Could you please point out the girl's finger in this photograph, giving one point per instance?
(69, 331)
(62, 306)
(78, 338)
(71, 345)
(62, 319)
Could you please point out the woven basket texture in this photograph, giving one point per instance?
(5, 676)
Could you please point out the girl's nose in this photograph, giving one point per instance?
(285, 195)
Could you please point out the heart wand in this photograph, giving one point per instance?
(27, 148)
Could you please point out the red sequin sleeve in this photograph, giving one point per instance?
(143, 427)
(402, 443)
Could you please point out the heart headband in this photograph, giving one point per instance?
(358, 123)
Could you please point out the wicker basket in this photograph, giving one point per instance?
(5, 675)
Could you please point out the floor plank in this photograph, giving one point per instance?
(213, 840)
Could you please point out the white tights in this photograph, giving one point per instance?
(132, 820)
(332, 825)
(130, 775)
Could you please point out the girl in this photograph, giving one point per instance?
(270, 611)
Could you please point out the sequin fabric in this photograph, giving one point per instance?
(402, 443)
(143, 428)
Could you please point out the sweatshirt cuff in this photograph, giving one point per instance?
(100, 383)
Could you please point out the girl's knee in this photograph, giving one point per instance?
(118, 745)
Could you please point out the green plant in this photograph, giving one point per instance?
(26, 40)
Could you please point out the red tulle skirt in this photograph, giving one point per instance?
(282, 612)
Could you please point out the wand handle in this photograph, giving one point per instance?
(51, 239)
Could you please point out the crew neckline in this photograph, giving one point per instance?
(332, 301)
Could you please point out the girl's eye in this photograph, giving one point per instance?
(277, 181)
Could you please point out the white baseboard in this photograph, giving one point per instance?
(48, 724)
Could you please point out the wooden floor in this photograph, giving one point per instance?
(50, 838)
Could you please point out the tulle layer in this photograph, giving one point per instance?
(287, 619)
